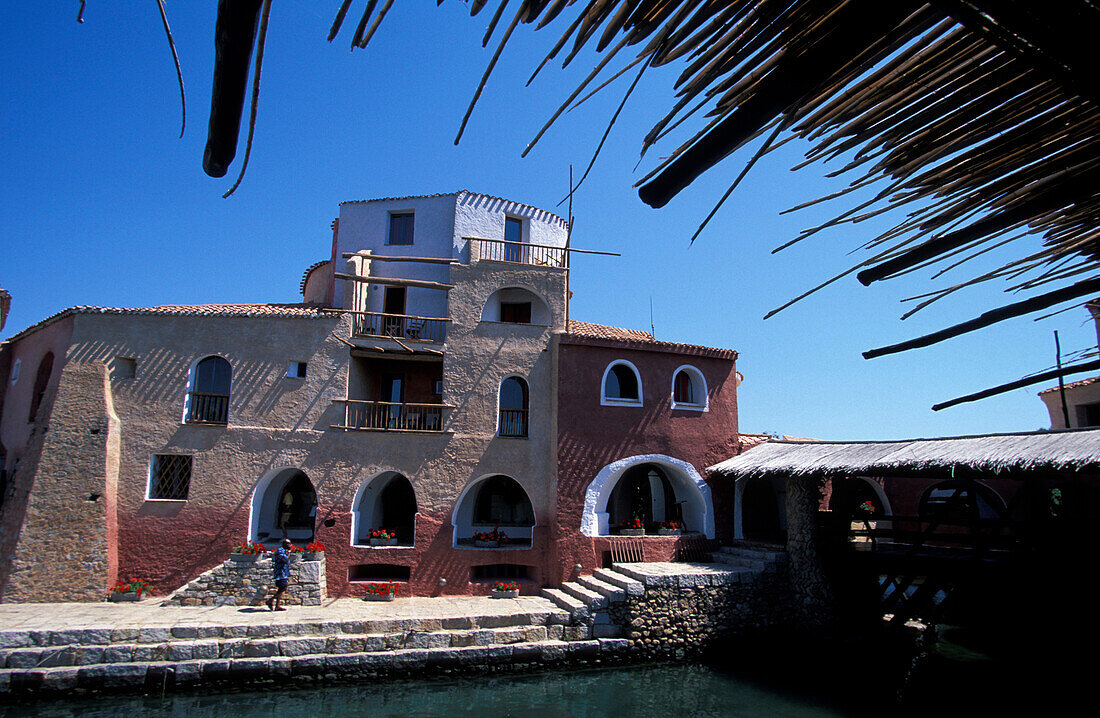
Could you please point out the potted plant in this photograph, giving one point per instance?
(491, 539)
(380, 591)
(382, 537)
(313, 551)
(669, 528)
(129, 590)
(633, 527)
(506, 589)
(248, 551)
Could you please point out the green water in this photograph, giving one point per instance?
(678, 690)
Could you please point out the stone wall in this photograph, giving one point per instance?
(247, 581)
(691, 615)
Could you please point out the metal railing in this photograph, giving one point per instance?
(499, 250)
(205, 408)
(405, 326)
(387, 415)
(513, 422)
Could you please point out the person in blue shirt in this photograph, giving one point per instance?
(281, 566)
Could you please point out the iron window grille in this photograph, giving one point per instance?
(170, 476)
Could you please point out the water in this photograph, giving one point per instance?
(682, 691)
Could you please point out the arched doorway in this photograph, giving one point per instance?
(643, 492)
(386, 501)
(761, 510)
(959, 501)
(659, 487)
(284, 505)
(851, 494)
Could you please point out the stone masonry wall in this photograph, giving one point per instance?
(247, 581)
(63, 551)
(685, 620)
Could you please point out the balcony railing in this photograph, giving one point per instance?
(377, 324)
(385, 415)
(541, 255)
(513, 422)
(205, 408)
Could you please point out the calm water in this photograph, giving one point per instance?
(680, 691)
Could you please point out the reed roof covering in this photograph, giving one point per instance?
(978, 118)
(1074, 450)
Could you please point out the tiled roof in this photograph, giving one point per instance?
(305, 311)
(309, 271)
(600, 331)
(641, 339)
(747, 441)
(1073, 384)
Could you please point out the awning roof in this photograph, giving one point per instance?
(1073, 450)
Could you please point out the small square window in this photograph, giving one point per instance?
(123, 368)
(296, 370)
(515, 312)
(401, 228)
(170, 477)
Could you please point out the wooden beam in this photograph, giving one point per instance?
(396, 282)
(380, 258)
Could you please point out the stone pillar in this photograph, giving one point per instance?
(813, 599)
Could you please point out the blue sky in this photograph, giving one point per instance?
(104, 204)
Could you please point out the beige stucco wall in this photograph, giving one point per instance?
(1075, 397)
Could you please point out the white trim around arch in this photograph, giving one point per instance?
(688, 485)
(462, 518)
(263, 512)
(698, 388)
(606, 400)
(377, 483)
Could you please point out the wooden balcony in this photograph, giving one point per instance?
(401, 326)
(499, 250)
(390, 416)
(203, 408)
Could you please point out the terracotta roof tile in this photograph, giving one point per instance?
(1073, 384)
(309, 271)
(600, 331)
(305, 311)
(587, 331)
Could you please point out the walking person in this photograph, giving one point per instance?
(280, 564)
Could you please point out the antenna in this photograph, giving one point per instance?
(652, 331)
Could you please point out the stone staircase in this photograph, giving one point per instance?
(591, 600)
(756, 559)
(191, 653)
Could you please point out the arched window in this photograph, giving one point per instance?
(208, 395)
(512, 414)
(41, 380)
(960, 502)
(385, 502)
(621, 384)
(501, 501)
(689, 389)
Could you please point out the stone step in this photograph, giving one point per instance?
(615, 578)
(578, 609)
(160, 634)
(193, 672)
(754, 553)
(594, 599)
(286, 646)
(659, 574)
(613, 593)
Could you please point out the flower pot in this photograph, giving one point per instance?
(383, 541)
(632, 532)
(487, 544)
(668, 532)
(379, 597)
(514, 593)
(312, 555)
(127, 597)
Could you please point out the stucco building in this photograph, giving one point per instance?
(430, 384)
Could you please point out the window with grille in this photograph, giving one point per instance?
(169, 476)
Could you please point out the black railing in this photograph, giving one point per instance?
(513, 422)
(205, 408)
(391, 415)
(377, 324)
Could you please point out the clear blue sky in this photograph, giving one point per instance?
(103, 204)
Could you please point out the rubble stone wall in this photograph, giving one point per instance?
(247, 581)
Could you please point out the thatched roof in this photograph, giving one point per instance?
(1074, 450)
